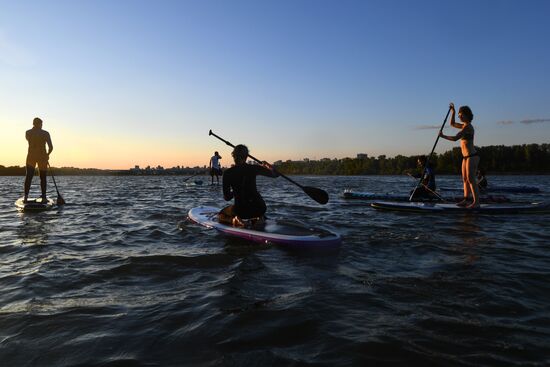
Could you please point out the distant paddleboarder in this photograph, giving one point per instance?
(239, 182)
(427, 188)
(37, 155)
(215, 167)
(470, 156)
(482, 180)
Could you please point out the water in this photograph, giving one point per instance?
(119, 277)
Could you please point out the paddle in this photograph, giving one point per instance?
(428, 189)
(316, 194)
(188, 178)
(60, 200)
(430, 156)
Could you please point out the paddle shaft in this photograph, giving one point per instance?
(188, 178)
(430, 190)
(431, 154)
(256, 159)
(54, 183)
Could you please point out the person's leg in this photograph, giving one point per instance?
(472, 180)
(226, 215)
(465, 186)
(28, 180)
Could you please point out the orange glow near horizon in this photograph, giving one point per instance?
(84, 150)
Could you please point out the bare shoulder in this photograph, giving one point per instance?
(468, 128)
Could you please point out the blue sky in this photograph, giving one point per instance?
(119, 83)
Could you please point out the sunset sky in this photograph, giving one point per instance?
(120, 83)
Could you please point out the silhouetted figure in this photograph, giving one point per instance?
(37, 155)
(215, 167)
(482, 180)
(470, 156)
(426, 189)
(239, 182)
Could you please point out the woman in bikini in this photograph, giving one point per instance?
(470, 157)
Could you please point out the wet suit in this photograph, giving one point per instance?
(239, 182)
(37, 155)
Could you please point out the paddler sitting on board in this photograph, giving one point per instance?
(239, 182)
(37, 155)
(482, 180)
(426, 190)
(470, 156)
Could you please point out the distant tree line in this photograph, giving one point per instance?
(73, 171)
(495, 159)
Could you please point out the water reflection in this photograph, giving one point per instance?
(34, 229)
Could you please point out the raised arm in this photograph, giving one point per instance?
(452, 138)
(267, 170)
(458, 125)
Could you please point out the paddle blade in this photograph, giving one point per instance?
(320, 196)
(60, 200)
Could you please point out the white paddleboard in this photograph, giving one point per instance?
(272, 231)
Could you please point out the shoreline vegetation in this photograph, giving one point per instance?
(495, 160)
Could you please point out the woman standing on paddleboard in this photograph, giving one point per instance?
(239, 182)
(470, 156)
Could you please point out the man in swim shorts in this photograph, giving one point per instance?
(37, 155)
(215, 167)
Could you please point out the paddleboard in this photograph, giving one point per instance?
(272, 231)
(508, 189)
(374, 196)
(418, 207)
(370, 196)
(34, 205)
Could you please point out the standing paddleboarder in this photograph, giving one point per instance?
(215, 167)
(37, 155)
(239, 182)
(470, 156)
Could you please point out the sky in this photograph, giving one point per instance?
(128, 82)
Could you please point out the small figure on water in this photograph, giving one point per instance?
(482, 180)
(215, 167)
(470, 156)
(239, 182)
(427, 187)
(37, 155)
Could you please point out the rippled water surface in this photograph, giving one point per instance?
(120, 277)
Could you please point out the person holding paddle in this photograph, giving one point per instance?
(239, 183)
(482, 180)
(470, 156)
(215, 167)
(427, 188)
(37, 155)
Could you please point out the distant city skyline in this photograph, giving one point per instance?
(120, 83)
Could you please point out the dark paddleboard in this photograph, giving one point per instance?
(34, 205)
(371, 196)
(507, 208)
(272, 231)
(374, 196)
